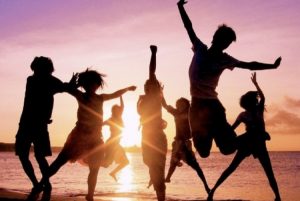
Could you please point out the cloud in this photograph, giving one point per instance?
(284, 122)
(292, 102)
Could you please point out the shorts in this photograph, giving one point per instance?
(250, 145)
(38, 136)
(182, 150)
(208, 121)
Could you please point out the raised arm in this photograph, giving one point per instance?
(186, 21)
(259, 66)
(169, 108)
(260, 93)
(236, 123)
(121, 103)
(72, 85)
(152, 66)
(118, 93)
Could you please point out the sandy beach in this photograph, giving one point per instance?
(14, 195)
(6, 195)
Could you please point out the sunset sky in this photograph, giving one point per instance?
(113, 37)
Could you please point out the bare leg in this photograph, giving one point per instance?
(238, 158)
(92, 181)
(194, 164)
(170, 172)
(28, 168)
(44, 167)
(57, 164)
(265, 161)
(117, 169)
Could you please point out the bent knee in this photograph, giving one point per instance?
(202, 143)
(228, 149)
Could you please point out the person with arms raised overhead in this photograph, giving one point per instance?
(85, 142)
(207, 115)
(253, 142)
(154, 141)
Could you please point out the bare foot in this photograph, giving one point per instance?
(149, 184)
(89, 198)
(113, 176)
(210, 195)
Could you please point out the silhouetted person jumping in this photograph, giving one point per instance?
(154, 141)
(85, 142)
(253, 142)
(36, 115)
(113, 150)
(207, 115)
(182, 145)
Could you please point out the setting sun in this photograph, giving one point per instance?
(131, 135)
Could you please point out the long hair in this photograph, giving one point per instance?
(89, 77)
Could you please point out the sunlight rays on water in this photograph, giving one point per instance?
(125, 179)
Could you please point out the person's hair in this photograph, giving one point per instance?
(115, 109)
(153, 85)
(89, 78)
(42, 65)
(185, 101)
(224, 32)
(248, 100)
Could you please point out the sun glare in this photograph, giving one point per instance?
(131, 135)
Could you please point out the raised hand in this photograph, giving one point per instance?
(131, 88)
(253, 78)
(73, 80)
(181, 2)
(277, 62)
(153, 48)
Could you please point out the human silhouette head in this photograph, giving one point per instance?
(42, 66)
(223, 37)
(249, 100)
(90, 80)
(152, 87)
(116, 111)
(183, 104)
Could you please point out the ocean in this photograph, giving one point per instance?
(248, 182)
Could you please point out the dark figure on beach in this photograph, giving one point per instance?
(154, 141)
(253, 142)
(85, 142)
(207, 114)
(36, 115)
(113, 150)
(182, 145)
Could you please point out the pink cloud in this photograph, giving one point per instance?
(284, 122)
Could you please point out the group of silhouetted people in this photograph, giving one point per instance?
(199, 121)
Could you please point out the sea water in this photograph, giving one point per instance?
(248, 182)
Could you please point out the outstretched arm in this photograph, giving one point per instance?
(186, 21)
(236, 123)
(118, 93)
(152, 66)
(169, 108)
(259, 66)
(72, 85)
(260, 93)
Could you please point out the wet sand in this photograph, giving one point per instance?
(15, 195)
